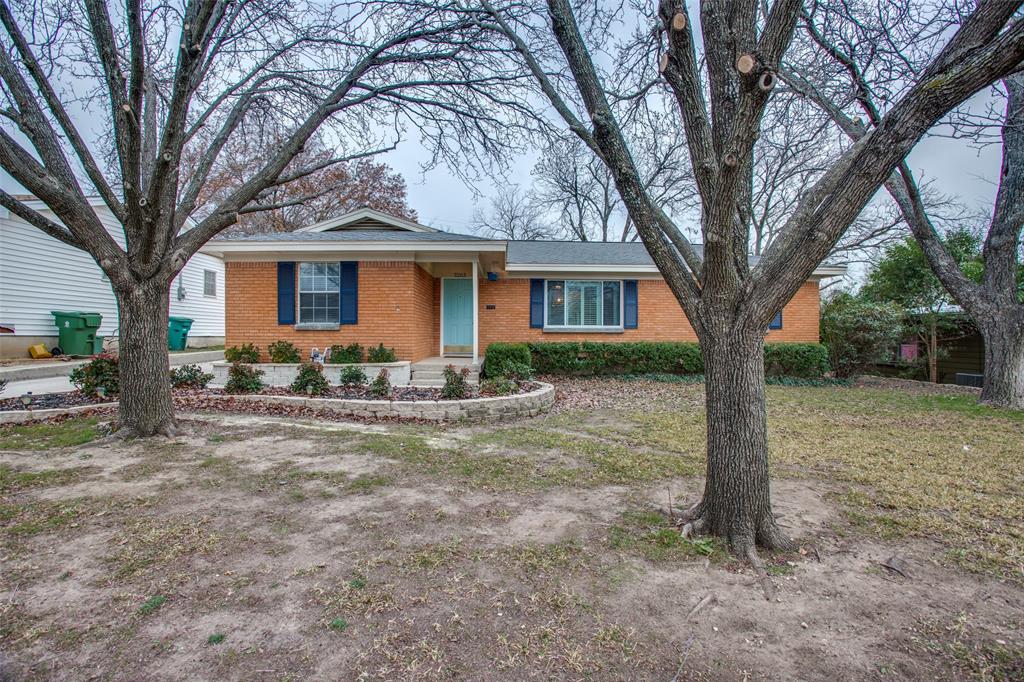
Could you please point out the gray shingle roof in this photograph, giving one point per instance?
(353, 236)
(579, 253)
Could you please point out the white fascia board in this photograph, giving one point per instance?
(542, 269)
(225, 248)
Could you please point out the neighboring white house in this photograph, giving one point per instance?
(39, 274)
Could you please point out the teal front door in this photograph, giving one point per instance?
(457, 316)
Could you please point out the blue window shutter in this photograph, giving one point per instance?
(776, 322)
(537, 303)
(629, 304)
(349, 299)
(285, 292)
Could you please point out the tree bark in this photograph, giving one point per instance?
(146, 407)
(737, 501)
(1004, 363)
(933, 353)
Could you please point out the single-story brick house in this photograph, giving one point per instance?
(367, 277)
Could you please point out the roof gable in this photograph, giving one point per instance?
(366, 219)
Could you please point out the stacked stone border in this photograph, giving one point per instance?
(529, 404)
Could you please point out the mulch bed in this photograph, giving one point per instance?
(46, 401)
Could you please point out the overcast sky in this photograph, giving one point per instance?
(445, 202)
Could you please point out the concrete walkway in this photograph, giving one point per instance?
(61, 384)
(45, 369)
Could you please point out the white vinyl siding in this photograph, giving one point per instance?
(583, 304)
(39, 274)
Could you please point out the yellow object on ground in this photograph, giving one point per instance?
(39, 351)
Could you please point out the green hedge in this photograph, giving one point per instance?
(587, 358)
(804, 360)
(503, 354)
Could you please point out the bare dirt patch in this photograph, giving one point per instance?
(255, 548)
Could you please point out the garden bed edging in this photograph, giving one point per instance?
(529, 404)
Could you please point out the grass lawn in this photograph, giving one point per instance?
(266, 549)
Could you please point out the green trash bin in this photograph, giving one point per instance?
(177, 332)
(76, 331)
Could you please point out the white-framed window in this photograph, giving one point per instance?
(210, 283)
(319, 293)
(583, 304)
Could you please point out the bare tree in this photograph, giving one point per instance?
(323, 194)
(513, 214)
(161, 73)
(718, 93)
(853, 91)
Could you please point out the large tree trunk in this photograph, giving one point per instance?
(737, 502)
(146, 408)
(1004, 363)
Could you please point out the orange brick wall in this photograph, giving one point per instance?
(399, 305)
(395, 308)
(660, 317)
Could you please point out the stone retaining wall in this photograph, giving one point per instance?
(283, 374)
(529, 404)
(22, 416)
(475, 409)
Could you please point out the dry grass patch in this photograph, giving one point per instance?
(150, 543)
(49, 435)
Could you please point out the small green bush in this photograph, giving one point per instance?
(590, 358)
(310, 380)
(498, 386)
(456, 383)
(859, 333)
(346, 355)
(352, 376)
(803, 360)
(247, 352)
(499, 355)
(380, 387)
(99, 373)
(381, 354)
(190, 376)
(284, 352)
(243, 378)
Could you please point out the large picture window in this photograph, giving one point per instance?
(584, 303)
(319, 293)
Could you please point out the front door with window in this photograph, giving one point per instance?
(457, 316)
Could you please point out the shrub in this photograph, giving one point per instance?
(380, 387)
(310, 380)
(596, 358)
(243, 378)
(381, 354)
(100, 372)
(456, 383)
(499, 355)
(190, 376)
(591, 358)
(352, 376)
(804, 360)
(858, 333)
(346, 355)
(496, 386)
(246, 353)
(284, 352)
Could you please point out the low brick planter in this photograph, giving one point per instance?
(283, 374)
(529, 404)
